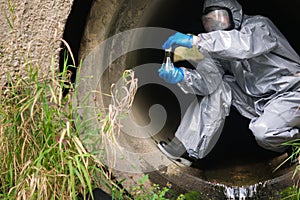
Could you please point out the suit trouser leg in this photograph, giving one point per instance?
(203, 122)
(279, 122)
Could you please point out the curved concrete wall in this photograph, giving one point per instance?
(35, 35)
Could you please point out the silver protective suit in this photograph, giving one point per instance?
(252, 67)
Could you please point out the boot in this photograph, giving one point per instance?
(176, 151)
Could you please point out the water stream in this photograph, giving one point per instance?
(241, 193)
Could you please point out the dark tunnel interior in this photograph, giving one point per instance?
(236, 141)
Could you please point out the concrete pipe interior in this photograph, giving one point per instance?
(236, 158)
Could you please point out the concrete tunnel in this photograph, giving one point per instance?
(236, 161)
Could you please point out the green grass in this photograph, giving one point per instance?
(41, 155)
(40, 152)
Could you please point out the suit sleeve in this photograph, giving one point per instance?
(254, 38)
(203, 80)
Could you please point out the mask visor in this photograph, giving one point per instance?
(216, 20)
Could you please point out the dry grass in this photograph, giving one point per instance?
(41, 155)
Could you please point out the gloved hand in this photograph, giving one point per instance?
(179, 39)
(173, 76)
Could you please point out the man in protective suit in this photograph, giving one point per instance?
(247, 63)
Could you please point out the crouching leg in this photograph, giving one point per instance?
(278, 123)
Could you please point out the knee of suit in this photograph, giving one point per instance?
(270, 138)
(262, 137)
(259, 130)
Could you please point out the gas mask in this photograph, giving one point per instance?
(216, 18)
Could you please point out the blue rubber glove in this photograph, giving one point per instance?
(173, 76)
(179, 39)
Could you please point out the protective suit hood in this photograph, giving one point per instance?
(232, 5)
